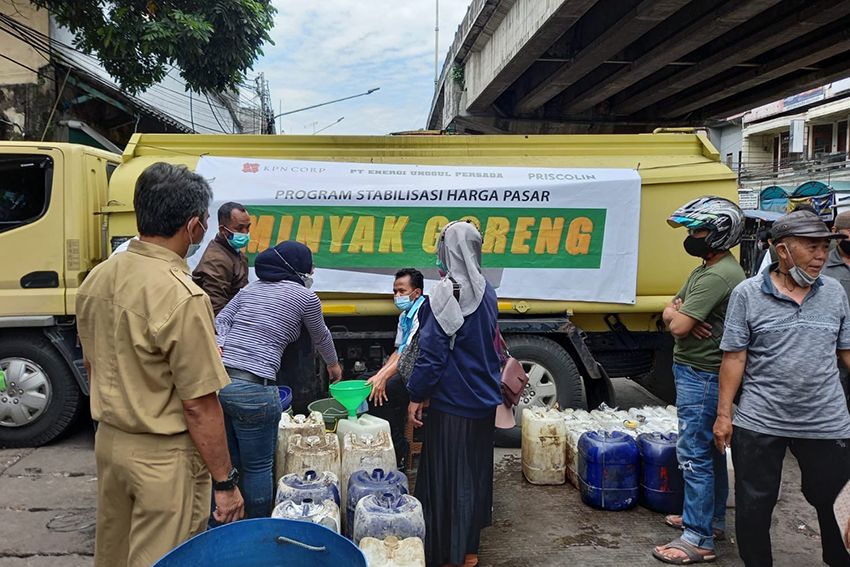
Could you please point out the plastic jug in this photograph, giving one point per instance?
(662, 487)
(364, 425)
(576, 424)
(608, 470)
(367, 452)
(544, 440)
(313, 453)
(375, 482)
(317, 486)
(384, 515)
(393, 552)
(290, 425)
(325, 513)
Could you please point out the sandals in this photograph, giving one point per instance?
(675, 521)
(692, 554)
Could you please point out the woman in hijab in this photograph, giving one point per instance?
(458, 370)
(253, 330)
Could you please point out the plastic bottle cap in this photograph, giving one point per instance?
(312, 440)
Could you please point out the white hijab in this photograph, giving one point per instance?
(459, 251)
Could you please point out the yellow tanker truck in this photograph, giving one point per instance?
(575, 241)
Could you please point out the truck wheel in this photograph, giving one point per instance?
(41, 399)
(553, 378)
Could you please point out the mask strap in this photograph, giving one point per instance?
(288, 265)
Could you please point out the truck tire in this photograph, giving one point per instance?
(51, 400)
(553, 378)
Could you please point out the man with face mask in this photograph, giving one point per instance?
(223, 269)
(387, 385)
(783, 330)
(150, 351)
(695, 318)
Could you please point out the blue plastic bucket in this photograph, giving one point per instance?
(266, 542)
(285, 397)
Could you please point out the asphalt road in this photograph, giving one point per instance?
(47, 511)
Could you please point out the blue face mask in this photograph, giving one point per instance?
(403, 302)
(237, 240)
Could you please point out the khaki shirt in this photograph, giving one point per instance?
(222, 272)
(147, 331)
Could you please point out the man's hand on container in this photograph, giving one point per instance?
(335, 372)
(229, 505)
(722, 433)
(378, 395)
(414, 413)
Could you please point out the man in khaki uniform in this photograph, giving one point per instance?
(149, 344)
(223, 269)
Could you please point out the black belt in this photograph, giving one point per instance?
(237, 374)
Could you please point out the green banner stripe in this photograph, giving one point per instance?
(388, 237)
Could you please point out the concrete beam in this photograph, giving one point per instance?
(813, 53)
(619, 35)
(811, 80)
(783, 31)
(499, 125)
(528, 30)
(705, 29)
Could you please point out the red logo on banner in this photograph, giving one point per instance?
(250, 167)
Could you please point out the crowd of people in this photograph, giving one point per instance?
(183, 372)
(184, 368)
(773, 344)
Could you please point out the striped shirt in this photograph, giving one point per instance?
(264, 317)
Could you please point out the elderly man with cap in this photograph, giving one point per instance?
(782, 331)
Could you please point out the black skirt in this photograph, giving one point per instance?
(455, 484)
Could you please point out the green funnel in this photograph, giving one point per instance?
(351, 394)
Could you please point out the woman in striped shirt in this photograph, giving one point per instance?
(253, 331)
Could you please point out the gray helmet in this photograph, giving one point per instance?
(721, 217)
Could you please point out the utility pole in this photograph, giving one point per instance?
(267, 117)
(437, 45)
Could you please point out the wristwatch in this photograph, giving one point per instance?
(229, 484)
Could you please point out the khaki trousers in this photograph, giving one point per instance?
(153, 493)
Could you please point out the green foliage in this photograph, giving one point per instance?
(457, 74)
(212, 42)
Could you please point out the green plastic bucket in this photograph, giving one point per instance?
(332, 411)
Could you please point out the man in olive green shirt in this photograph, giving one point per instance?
(695, 318)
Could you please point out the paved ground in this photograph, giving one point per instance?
(47, 503)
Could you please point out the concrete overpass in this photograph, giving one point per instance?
(571, 66)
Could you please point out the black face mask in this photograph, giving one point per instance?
(845, 246)
(696, 246)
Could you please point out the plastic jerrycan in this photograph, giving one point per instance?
(544, 446)
(393, 552)
(290, 425)
(365, 452)
(313, 453)
(662, 487)
(324, 513)
(576, 425)
(370, 482)
(608, 470)
(317, 486)
(364, 425)
(384, 515)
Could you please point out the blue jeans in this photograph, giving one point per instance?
(251, 417)
(703, 467)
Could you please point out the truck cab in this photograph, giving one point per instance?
(50, 237)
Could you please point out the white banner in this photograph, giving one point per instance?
(549, 233)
